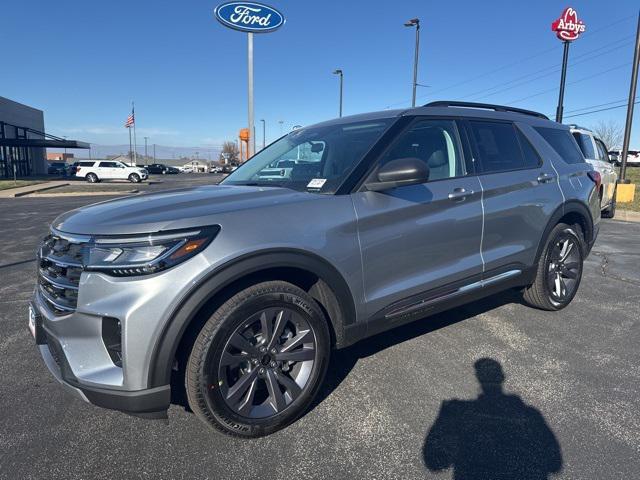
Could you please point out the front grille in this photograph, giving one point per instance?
(59, 270)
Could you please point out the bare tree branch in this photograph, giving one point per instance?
(610, 132)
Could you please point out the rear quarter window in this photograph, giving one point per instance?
(563, 143)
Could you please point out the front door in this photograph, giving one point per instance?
(417, 238)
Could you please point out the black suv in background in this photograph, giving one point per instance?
(161, 169)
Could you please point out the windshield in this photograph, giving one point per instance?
(315, 159)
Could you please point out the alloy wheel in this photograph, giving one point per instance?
(267, 362)
(564, 268)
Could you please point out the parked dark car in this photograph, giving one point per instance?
(57, 168)
(159, 168)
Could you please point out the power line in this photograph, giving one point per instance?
(600, 110)
(570, 83)
(556, 68)
(588, 33)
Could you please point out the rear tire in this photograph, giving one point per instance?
(259, 360)
(92, 178)
(134, 178)
(559, 270)
(610, 211)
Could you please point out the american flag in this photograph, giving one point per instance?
(131, 120)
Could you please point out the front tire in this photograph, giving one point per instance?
(559, 270)
(134, 178)
(92, 178)
(259, 360)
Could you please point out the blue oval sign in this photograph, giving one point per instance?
(249, 17)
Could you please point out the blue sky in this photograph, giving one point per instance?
(82, 62)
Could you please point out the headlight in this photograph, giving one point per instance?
(143, 255)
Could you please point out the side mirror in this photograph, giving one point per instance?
(399, 173)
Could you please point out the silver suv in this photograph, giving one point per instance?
(238, 293)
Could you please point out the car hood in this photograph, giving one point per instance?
(174, 209)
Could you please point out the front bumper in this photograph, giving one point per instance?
(150, 403)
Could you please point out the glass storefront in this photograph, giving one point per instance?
(18, 157)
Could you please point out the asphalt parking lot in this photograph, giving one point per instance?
(568, 409)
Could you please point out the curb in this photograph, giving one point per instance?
(37, 188)
(627, 216)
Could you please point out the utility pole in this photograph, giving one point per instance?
(264, 133)
(632, 99)
(415, 22)
(338, 71)
(154, 153)
(145, 150)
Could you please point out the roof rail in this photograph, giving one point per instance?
(488, 106)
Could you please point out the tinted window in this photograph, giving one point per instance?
(584, 142)
(531, 157)
(86, 164)
(108, 164)
(563, 143)
(498, 146)
(436, 143)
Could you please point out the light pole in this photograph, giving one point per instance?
(280, 122)
(145, 150)
(632, 99)
(264, 133)
(338, 71)
(415, 22)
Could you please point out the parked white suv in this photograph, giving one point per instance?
(95, 171)
(595, 152)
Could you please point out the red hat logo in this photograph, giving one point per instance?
(568, 27)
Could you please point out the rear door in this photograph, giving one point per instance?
(520, 192)
(107, 170)
(417, 238)
(609, 175)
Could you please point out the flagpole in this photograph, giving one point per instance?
(130, 148)
(135, 141)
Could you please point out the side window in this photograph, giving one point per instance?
(86, 164)
(531, 157)
(107, 164)
(436, 143)
(498, 147)
(584, 142)
(602, 151)
(562, 142)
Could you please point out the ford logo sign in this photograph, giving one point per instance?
(249, 17)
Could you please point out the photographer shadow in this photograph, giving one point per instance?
(495, 436)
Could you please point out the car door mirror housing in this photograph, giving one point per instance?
(399, 173)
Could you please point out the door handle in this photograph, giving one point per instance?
(460, 194)
(546, 178)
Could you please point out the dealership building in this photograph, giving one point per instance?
(23, 141)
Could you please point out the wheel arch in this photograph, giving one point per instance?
(571, 212)
(314, 274)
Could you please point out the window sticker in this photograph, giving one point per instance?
(316, 183)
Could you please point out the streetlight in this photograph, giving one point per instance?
(338, 71)
(264, 132)
(280, 122)
(145, 150)
(415, 22)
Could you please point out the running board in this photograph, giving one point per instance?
(425, 304)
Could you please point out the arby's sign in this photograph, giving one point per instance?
(568, 28)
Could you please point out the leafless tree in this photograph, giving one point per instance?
(229, 153)
(610, 132)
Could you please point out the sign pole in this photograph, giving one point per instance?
(563, 77)
(251, 147)
(568, 28)
(130, 147)
(632, 99)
